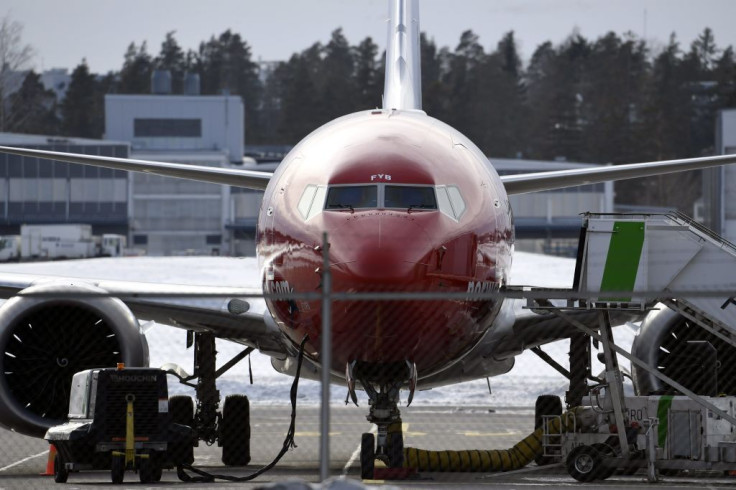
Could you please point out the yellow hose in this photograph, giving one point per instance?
(483, 460)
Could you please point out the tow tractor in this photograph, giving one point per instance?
(121, 419)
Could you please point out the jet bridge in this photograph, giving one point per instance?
(641, 262)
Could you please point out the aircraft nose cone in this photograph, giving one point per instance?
(380, 247)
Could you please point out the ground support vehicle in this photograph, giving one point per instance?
(642, 264)
(664, 434)
(120, 419)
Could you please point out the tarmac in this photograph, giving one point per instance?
(24, 459)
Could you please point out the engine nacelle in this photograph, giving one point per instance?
(669, 342)
(44, 341)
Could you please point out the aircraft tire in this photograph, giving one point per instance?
(367, 455)
(181, 408)
(235, 432)
(545, 405)
(396, 450)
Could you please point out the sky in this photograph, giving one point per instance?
(63, 33)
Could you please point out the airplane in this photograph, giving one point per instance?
(407, 203)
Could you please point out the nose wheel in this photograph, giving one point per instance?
(391, 455)
(387, 444)
(367, 456)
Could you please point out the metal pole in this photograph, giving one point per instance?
(326, 362)
(615, 382)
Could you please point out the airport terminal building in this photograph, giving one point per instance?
(39, 192)
(175, 216)
(719, 184)
(165, 216)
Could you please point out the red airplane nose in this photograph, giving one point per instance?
(378, 247)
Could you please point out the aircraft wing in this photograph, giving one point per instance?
(544, 181)
(228, 312)
(249, 179)
(533, 329)
(515, 184)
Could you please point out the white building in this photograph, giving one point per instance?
(719, 184)
(35, 191)
(174, 216)
(56, 79)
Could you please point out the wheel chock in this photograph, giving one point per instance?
(394, 473)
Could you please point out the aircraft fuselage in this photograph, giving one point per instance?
(409, 205)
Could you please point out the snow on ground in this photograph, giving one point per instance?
(529, 378)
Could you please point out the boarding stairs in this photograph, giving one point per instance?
(633, 262)
(648, 258)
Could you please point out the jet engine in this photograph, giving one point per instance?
(45, 340)
(684, 351)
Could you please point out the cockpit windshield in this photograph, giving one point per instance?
(352, 197)
(409, 197)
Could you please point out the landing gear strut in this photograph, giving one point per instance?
(387, 445)
(210, 424)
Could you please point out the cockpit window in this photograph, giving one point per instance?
(311, 201)
(306, 200)
(352, 197)
(450, 201)
(445, 198)
(409, 197)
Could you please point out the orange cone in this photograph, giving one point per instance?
(50, 462)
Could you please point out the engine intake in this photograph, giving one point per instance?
(685, 352)
(45, 341)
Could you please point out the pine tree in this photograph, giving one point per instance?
(369, 85)
(33, 108)
(80, 105)
(225, 67)
(339, 91)
(135, 77)
(171, 58)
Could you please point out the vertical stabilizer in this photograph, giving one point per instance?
(403, 85)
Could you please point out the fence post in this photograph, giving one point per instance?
(325, 361)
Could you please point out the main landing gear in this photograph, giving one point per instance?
(387, 445)
(229, 427)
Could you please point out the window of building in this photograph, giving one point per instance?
(158, 128)
(140, 239)
(214, 239)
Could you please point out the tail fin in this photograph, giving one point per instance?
(403, 85)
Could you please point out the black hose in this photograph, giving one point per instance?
(206, 477)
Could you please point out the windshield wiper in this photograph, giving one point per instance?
(341, 206)
(419, 206)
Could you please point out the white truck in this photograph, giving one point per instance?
(112, 245)
(9, 248)
(67, 241)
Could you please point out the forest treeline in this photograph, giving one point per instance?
(613, 99)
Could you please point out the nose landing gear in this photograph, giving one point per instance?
(387, 444)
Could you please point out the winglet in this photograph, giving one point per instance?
(403, 84)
